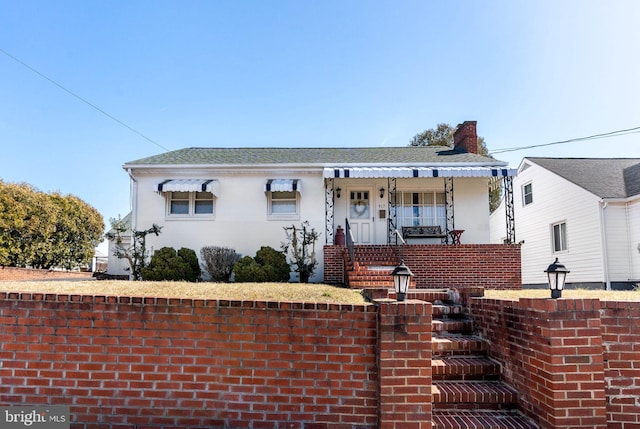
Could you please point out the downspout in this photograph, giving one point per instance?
(603, 237)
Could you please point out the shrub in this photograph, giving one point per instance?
(269, 265)
(218, 262)
(169, 264)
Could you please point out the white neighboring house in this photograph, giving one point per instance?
(583, 211)
(242, 198)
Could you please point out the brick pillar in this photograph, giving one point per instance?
(334, 265)
(565, 363)
(404, 364)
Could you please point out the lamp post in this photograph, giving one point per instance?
(557, 274)
(401, 277)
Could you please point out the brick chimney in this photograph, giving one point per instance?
(465, 138)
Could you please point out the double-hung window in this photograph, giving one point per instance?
(191, 204)
(559, 236)
(421, 209)
(527, 194)
(283, 198)
(185, 198)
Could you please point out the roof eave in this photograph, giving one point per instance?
(497, 163)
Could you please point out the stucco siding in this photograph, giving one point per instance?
(557, 200)
(471, 209)
(241, 218)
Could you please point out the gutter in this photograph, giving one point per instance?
(498, 164)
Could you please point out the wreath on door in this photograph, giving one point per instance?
(360, 207)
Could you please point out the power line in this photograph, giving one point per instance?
(85, 101)
(577, 139)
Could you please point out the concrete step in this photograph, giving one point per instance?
(457, 344)
(465, 368)
(460, 419)
(473, 395)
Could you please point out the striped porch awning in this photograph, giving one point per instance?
(409, 172)
(282, 185)
(188, 185)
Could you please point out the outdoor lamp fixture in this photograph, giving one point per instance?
(557, 274)
(381, 192)
(401, 276)
(338, 190)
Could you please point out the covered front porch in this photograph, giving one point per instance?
(421, 205)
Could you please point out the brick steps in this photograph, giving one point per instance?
(465, 395)
(465, 368)
(467, 391)
(453, 326)
(459, 419)
(457, 344)
(440, 310)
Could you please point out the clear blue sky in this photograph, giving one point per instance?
(304, 73)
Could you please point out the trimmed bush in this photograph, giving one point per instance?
(218, 262)
(169, 264)
(269, 265)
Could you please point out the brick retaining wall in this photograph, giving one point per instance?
(122, 362)
(575, 362)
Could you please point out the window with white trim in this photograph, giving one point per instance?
(184, 204)
(283, 204)
(559, 236)
(527, 194)
(421, 209)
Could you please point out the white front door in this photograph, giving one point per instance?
(361, 215)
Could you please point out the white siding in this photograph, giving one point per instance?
(557, 200)
(616, 230)
(634, 239)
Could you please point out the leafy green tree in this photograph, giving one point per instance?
(131, 244)
(42, 230)
(78, 230)
(169, 264)
(442, 135)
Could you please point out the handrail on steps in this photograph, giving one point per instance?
(349, 241)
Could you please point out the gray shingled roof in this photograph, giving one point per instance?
(322, 156)
(604, 177)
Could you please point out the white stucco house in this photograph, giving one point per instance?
(243, 197)
(585, 212)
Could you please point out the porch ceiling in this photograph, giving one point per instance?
(409, 172)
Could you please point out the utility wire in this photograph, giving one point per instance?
(592, 137)
(85, 101)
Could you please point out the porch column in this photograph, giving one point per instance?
(448, 197)
(509, 211)
(328, 211)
